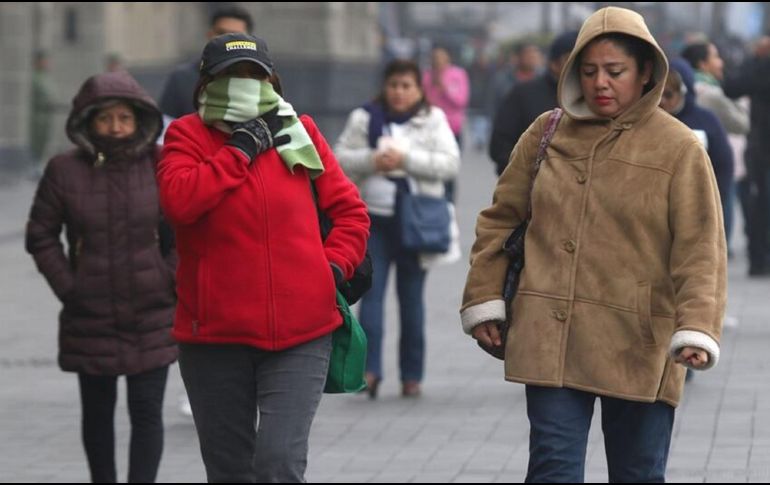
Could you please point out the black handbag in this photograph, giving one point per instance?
(361, 282)
(514, 244)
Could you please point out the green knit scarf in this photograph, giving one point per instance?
(230, 99)
(706, 78)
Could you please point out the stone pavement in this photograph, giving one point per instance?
(469, 426)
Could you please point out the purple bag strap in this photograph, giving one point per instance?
(550, 130)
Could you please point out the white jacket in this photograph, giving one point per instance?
(431, 157)
(734, 119)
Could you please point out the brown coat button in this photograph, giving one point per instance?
(582, 178)
(570, 246)
(559, 315)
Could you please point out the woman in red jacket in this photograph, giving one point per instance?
(256, 283)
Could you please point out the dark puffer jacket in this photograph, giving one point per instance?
(116, 285)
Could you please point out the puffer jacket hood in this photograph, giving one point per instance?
(107, 87)
(605, 21)
(688, 78)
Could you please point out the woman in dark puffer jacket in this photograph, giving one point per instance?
(114, 280)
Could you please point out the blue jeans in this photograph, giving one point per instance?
(637, 436)
(385, 248)
(230, 385)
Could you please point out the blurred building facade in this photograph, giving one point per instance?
(327, 53)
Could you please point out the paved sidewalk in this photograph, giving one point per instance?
(470, 425)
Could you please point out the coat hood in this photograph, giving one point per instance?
(605, 21)
(107, 87)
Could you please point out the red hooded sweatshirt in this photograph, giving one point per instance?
(253, 269)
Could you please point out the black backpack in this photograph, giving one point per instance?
(361, 282)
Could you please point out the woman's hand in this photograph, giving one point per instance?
(693, 357)
(488, 334)
(388, 160)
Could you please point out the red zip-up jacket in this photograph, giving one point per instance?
(253, 269)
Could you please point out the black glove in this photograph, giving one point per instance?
(339, 277)
(275, 124)
(257, 135)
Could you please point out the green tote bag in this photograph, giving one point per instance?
(347, 363)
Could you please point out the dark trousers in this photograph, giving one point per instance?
(385, 249)
(231, 387)
(637, 436)
(759, 218)
(98, 395)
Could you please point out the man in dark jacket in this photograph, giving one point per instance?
(752, 81)
(177, 97)
(527, 101)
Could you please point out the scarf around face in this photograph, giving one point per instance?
(236, 100)
(117, 149)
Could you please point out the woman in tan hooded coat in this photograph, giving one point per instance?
(625, 261)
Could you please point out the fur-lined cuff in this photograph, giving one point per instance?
(485, 312)
(691, 338)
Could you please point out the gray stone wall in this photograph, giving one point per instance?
(15, 76)
(77, 53)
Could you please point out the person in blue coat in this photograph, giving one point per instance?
(679, 100)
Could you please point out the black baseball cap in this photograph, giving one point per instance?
(225, 50)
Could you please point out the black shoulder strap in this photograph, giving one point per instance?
(323, 221)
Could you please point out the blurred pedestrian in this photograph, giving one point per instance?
(446, 86)
(113, 62)
(116, 279)
(704, 58)
(397, 136)
(256, 283)
(625, 261)
(679, 99)
(42, 105)
(751, 80)
(524, 64)
(176, 100)
(480, 110)
(528, 100)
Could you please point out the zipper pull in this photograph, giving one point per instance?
(78, 246)
(100, 159)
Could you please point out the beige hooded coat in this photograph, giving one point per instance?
(625, 254)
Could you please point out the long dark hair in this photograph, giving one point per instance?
(206, 78)
(397, 67)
